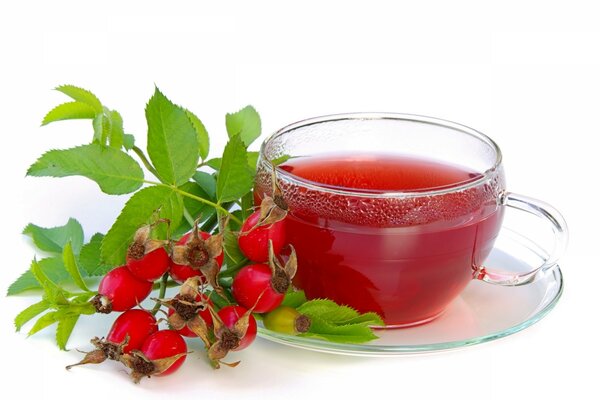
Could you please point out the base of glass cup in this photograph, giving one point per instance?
(410, 324)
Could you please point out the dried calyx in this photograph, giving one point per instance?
(105, 350)
(282, 274)
(227, 339)
(200, 254)
(186, 305)
(143, 243)
(142, 366)
(272, 208)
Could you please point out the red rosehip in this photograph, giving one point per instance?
(230, 315)
(120, 290)
(187, 312)
(128, 333)
(180, 272)
(254, 240)
(147, 258)
(161, 354)
(255, 287)
(133, 325)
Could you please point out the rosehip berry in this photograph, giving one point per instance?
(133, 326)
(147, 258)
(260, 287)
(128, 333)
(254, 240)
(120, 290)
(255, 286)
(187, 309)
(192, 256)
(161, 354)
(230, 315)
(287, 320)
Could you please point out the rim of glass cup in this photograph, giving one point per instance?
(384, 116)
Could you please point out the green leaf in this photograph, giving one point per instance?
(253, 161)
(52, 240)
(115, 137)
(328, 310)
(247, 206)
(72, 268)
(128, 141)
(294, 299)
(207, 182)
(82, 95)
(102, 127)
(137, 212)
(52, 292)
(64, 329)
(89, 258)
(245, 123)
(357, 333)
(71, 110)
(113, 170)
(203, 138)
(43, 322)
(171, 135)
(235, 178)
(29, 313)
(52, 267)
(231, 248)
(214, 163)
(194, 207)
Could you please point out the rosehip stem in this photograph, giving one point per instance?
(161, 292)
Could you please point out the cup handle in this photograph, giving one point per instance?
(559, 227)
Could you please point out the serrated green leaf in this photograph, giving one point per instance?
(52, 292)
(43, 322)
(214, 163)
(113, 170)
(294, 299)
(52, 240)
(64, 329)
(89, 258)
(245, 123)
(357, 333)
(203, 138)
(72, 268)
(328, 311)
(102, 127)
(207, 182)
(194, 207)
(171, 135)
(247, 205)
(235, 178)
(52, 267)
(128, 141)
(369, 318)
(233, 254)
(115, 137)
(29, 313)
(81, 95)
(71, 110)
(137, 212)
(253, 160)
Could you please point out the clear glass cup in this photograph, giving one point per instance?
(403, 254)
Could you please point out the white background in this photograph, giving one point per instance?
(526, 73)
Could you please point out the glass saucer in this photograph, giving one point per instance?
(482, 313)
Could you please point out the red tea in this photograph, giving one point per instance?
(406, 257)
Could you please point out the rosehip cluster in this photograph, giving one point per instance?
(194, 261)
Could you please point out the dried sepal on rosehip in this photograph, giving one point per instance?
(161, 354)
(201, 255)
(272, 208)
(236, 333)
(147, 258)
(127, 333)
(187, 306)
